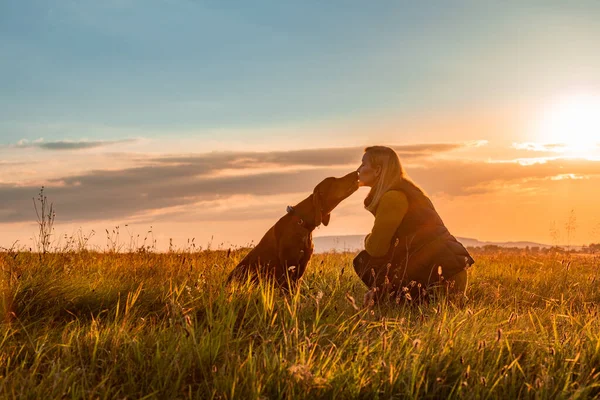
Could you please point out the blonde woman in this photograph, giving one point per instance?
(409, 248)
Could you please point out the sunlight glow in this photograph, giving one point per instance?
(572, 125)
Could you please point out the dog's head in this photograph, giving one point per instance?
(329, 193)
(316, 208)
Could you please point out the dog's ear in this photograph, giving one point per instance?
(320, 218)
(317, 207)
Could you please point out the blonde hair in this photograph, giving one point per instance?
(392, 174)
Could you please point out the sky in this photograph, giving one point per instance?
(200, 121)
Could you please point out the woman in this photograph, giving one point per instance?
(409, 248)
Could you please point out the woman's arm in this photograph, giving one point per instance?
(390, 212)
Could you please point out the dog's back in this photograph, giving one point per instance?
(282, 254)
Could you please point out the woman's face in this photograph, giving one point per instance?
(367, 173)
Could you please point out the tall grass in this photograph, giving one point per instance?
(86, 324)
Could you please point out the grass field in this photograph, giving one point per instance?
(145, 325)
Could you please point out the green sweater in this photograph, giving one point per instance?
(388, 216)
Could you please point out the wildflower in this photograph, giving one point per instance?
(319, 295)
(369, 299)
(538, 383)
(352, 301)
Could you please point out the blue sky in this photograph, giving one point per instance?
(168, 67)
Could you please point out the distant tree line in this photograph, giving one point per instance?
(592, 248)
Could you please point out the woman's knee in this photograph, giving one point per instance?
(370, 273)
(458, 282)
(361, 262)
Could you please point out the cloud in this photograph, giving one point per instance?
(463, 178)
(550, 147)
(172, 184)
(68, 144)
(122, 194)
(541, 147)
(304, 157)
(163, 182)
(4, 163)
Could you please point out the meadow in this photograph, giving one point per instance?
(142, 324)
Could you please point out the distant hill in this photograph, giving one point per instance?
(324, 244)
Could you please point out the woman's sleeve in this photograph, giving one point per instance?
(390, 212)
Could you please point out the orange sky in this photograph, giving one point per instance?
(485, 186)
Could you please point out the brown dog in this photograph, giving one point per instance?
(284, 251)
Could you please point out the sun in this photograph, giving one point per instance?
(572, 123)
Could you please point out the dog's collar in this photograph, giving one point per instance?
(300, 220)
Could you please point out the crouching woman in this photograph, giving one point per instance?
(409, 249)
